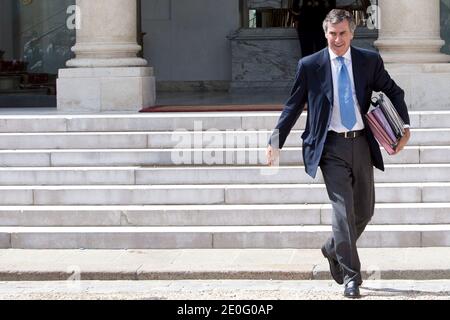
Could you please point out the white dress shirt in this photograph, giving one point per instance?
(336, 123)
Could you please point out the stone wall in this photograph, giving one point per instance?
(187, 40)
(265, 58)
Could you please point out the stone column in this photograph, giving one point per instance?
(106, 74)
(409, 42)
(410, 31)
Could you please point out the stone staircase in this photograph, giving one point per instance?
(198, 180)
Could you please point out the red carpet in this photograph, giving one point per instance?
(215, 108)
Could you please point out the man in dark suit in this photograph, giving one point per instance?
(337, 83)
(308, 17)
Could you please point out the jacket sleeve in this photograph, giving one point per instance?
(385, 84)
(292, 109)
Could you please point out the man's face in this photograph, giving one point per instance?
(339, 37)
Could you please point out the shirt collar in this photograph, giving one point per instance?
(347, 56)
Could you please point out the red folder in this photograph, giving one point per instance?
(380, 133)
(385, 123)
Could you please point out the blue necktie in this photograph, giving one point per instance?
(347, 106)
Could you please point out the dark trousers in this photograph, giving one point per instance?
(347, 169)
(311, 41)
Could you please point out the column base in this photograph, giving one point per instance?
(425, 85)
(408, 51)
(105, 89)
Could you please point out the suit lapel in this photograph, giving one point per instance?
(324, 73)
(358, 77)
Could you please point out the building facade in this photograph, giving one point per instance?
(209, 45)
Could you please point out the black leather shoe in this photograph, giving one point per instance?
(352, 290)
(335, 267)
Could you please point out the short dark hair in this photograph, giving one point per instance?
(337, 16)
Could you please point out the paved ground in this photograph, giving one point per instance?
(219, 264)
(221, 290)
(217, 274)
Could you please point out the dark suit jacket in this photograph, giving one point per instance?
(314, 85)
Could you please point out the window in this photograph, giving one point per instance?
(35, 43)
(281, 13)
(268, 13)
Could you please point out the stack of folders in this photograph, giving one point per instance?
(385, 124)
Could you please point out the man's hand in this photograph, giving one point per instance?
(273, 156)
(403, 141)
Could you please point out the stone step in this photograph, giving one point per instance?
(210, 194)
(24, 176)
(188, 157)
(419, 137)
(197, 140)
(177, 121)
(228, 237)
(180, 266)
(282, 175)
(74, 140)
(213, 215)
